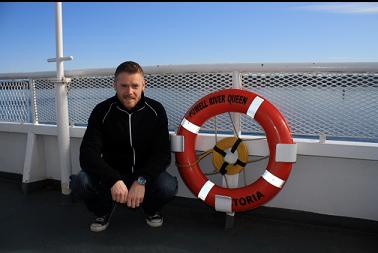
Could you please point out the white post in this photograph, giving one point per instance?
(62, 107)
(236, 84)
(232, 181)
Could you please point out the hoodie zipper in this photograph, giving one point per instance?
(131, 143)
(130, 134)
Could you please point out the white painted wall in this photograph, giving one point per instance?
(12, 152)
(336, 186)
(326, 185)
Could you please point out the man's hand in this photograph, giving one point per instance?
(136, 195)
(119, 192)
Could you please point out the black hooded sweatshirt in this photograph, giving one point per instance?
(126, 143)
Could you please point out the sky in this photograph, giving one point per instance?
(102, 35)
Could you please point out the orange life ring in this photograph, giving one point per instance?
(279, 140)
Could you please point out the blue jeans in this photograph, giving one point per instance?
(98, 199)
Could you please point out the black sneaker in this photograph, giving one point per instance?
(155, 220)
(102, 222)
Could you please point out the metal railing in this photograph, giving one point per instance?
(339, 100)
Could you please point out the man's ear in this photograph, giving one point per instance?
(114, 86)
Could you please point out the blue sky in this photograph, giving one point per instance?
(101, 35)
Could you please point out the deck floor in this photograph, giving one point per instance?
(45, 221)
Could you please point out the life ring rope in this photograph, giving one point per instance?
(218, 150)
(200, 157)
(226, 160)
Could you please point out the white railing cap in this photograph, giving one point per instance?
(342, 67)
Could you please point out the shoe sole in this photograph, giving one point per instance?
(95, 228)
(154, 224)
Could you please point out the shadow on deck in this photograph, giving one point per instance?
(46, 221)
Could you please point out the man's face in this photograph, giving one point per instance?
(129, 88)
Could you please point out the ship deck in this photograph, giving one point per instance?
(44, 220)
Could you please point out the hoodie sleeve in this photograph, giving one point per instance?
(160, 156)
(91, 151)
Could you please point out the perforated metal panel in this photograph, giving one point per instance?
(85, 93)
(45, 101)
(340, 105)
(15, 101)
(178, 92)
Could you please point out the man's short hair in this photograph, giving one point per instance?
(129, 67)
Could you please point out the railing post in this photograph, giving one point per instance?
(35, 118)
(232, 181)
(62, 106)
(236, 84)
